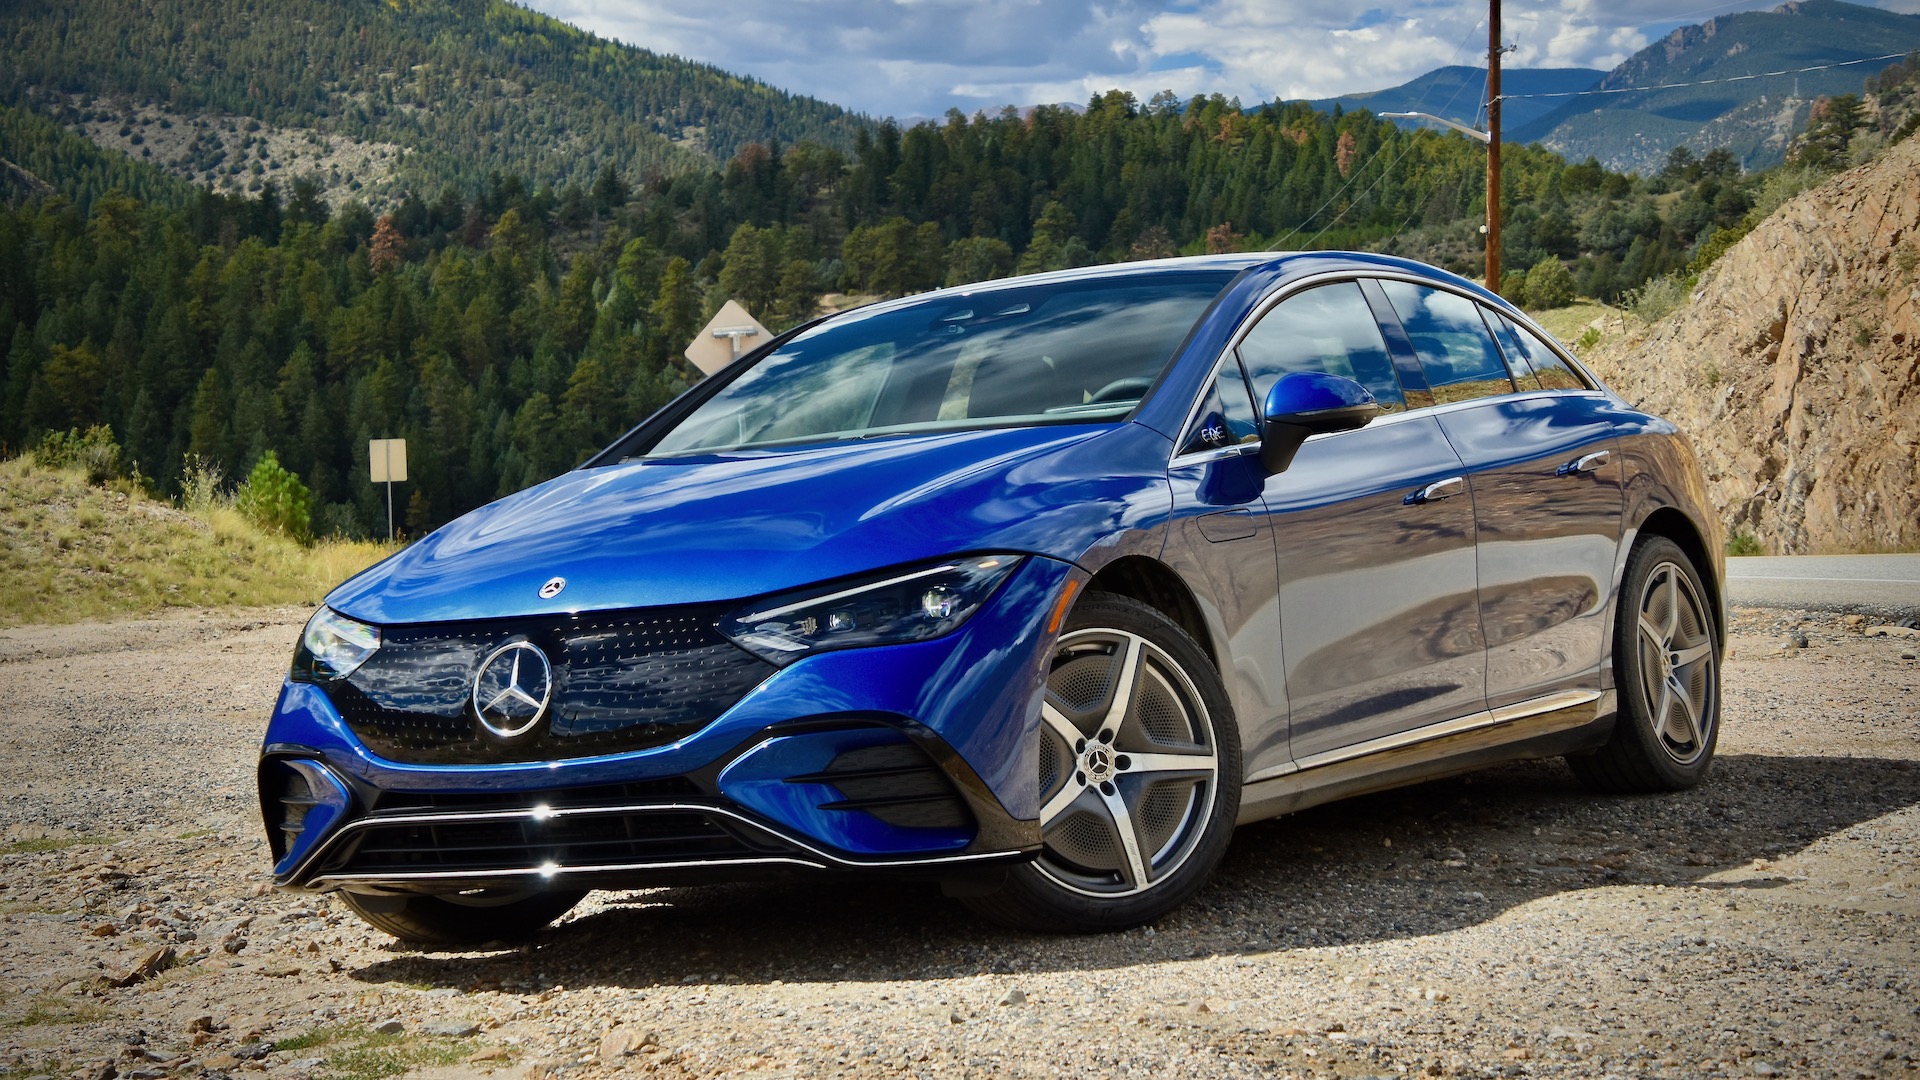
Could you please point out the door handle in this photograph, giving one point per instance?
(1585, 464)
(1439, 489)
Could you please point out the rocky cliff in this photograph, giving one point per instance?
(1795, 368)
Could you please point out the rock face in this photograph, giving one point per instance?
(1796, 368)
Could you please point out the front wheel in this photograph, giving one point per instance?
(1139, 763)
(1666, 663)
(467, 918)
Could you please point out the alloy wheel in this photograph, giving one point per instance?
(1677, 684)
(1129, 764)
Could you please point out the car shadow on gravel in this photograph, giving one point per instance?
(1408, 863)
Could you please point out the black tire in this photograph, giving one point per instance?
(1666, 668)
(1130, 829)
(457, 919)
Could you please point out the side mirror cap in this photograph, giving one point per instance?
(1309, 403)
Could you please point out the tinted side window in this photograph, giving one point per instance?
(1455, 349)
(1550, 367)
(1226, 414)
(1329, 329)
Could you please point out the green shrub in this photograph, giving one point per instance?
(276, 500)
(93, 452)
(1657, 298)
(201, 479)
(1742, 542)
(1549, 285)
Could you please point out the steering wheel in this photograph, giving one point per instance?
(1121, 390)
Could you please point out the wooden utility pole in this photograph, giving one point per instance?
(1493, 146)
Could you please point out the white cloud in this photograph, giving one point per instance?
(921, 57)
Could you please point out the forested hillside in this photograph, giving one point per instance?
(392, 94)
(507, 330)
(506, 322)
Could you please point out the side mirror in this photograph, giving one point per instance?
(1309, 403)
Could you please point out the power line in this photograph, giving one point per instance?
(1707, 82)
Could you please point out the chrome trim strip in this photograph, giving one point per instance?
(1597, 389)
(536, 814)
(1506, 714)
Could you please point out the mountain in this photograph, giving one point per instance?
(382, 94)
(1753, 118)
(1457, 92)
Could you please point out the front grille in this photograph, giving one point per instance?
(630, 838)
(622, 681)
(897, 783)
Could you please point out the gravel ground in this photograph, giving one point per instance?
(1767, 923)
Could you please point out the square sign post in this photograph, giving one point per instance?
(387, 462)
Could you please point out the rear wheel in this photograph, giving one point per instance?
(1139, 775)
(1666, 657)
(466, 918)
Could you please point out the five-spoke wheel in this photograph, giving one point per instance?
(1667, 672)
(1138, 774)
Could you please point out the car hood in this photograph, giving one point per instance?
(728, 526)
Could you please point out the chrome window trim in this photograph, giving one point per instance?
(1330, 277)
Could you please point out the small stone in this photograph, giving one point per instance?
(389, 1027)
(253, 1051)
(452, 1029)
(105, 929)
(1436, 995)
(624, 1041)
(954, 1017)
(1015, 996)
(491, 1053)
(1890, 630)
(1764, 1068)
(150, 965)
(1909, 654)
(200, 1023)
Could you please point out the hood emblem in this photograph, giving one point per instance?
(511, 693)
(552, 588)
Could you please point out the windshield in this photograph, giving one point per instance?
(1062, 351)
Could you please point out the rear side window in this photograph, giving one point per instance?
(1327, 329)
(1549, 367)
(1455, 350)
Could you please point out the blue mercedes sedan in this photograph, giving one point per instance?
(1034, 588)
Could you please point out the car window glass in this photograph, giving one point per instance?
(1063, 352)
(1549, 367)
(1329, 329)
(1226, 415)
(1517, 362)
(1456, 352)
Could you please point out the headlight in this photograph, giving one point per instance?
(332, 646)
(910, 605)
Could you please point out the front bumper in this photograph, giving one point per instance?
(913, 758)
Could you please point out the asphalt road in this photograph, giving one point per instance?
(1882, 584)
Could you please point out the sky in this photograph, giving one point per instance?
(918, 58)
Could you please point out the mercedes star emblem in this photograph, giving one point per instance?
(511, 692)
(552, 588)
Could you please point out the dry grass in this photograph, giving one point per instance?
(74, 552)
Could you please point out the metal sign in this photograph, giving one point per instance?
(388, 459)
(731, 333)
(387, 464)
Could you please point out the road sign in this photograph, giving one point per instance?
(731, 333)
(387, 464)
(388, 460)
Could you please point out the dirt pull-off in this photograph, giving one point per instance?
(1502, 924)
(1796, 368)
